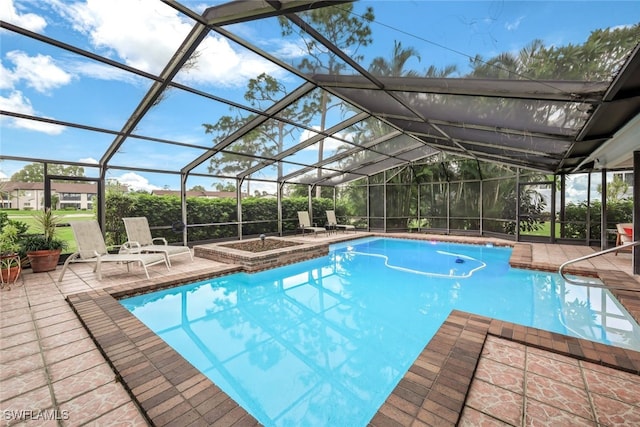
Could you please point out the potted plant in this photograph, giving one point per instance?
(43, 250)
(10, 266)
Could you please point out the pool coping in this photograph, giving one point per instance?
(170, 391)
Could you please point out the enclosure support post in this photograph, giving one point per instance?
(517, 205)
(636, 210)
(384, 200)
(368, 203)
(588, 227)
(480, 205)
(603, 210)
(183, 206)
(239, 205)
(279, 199)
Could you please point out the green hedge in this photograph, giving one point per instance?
(260, 215)
(575, 218)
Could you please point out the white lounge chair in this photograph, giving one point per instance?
(139, 239)
(331, 219)
(92, 249)
(305, 224)
(624, 234)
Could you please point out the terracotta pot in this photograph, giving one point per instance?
(45, 260)
(10, 275)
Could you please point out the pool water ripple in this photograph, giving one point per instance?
(325, 341)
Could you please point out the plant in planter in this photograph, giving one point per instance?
(416, 224)
(43, 250)
(10, 265)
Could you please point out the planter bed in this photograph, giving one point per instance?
(253, 255)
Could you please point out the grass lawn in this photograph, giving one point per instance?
(545, 231)
(63, 233)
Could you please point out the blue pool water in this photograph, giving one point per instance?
(325, 341)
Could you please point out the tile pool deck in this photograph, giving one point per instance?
(475, 371)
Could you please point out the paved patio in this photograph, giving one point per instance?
(475, 370)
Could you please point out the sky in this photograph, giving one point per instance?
(44, 81)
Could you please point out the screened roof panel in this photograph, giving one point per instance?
(530, 115)
(94, 93)
(553, 90)
(270, 139)
(396, 145)
(447, 144)
(53, 141)
(291, 169)
(228, 164)
(417, 153)
(145, 154)
(508, 153)
(204, 170)
(294, 46)
(500, 82)
(222, 68)
(309, 154)
(341, 179)
(108, 29)
(379, 166)
(269, 172)
(376, 101)
(359, 158)
(307, 110)
(320, 176)
(162, 122)
(366, 132)
(416, 127)
(519, 159)
(497, 138)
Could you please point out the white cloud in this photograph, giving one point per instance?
(30, 21)
(330, 144)
(136, 182)
(18, 103)
(143, 33)
(287, 49)
(146, 33)
(512, 26)
(88, 160)
(7, 78)
(219, 64)
(39, 72)
(102, 72)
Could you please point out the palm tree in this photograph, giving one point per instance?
(395, 68)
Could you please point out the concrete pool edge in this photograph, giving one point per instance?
(169, 391)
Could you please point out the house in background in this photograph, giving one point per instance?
(30, 195)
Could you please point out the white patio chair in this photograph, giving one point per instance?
(305, 224)
(331, 219)
(92, 249)
(139, 239)
(622, 234)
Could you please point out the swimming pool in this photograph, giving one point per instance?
(325, 341)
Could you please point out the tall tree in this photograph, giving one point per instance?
(227, 186)
(598, 58)
(265, 141)
(347, 31)
(616, 189)
(34, 172)
(396, 66)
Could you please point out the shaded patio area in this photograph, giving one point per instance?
(474, 370)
